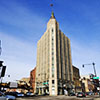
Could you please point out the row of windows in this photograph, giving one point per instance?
(52, 53)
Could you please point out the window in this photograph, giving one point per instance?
(52, 64)
(52, 74)
(53, 81)
(52, 30)
(52, 58)
(52, 69)
(52, 53)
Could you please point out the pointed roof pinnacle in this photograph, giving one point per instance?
(52, 15)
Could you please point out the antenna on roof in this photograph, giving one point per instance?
(51, 5)
(52, 14)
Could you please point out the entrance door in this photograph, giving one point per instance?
(53, 91)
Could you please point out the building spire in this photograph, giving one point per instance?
(52, 14)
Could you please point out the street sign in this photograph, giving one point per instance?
(45, 83)
(95, 77)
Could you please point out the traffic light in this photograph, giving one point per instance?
(83, 66)
(1, 63)
(91, 76)
(93, 63)
(3, 71)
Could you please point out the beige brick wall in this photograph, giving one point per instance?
(60, 45)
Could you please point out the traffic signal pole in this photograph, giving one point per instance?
(95, 74)
(93, 67)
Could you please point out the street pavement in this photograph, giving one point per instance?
(62, 97)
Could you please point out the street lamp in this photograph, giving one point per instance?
(93, 67)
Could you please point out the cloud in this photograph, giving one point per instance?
(23, 25)
(20, 21)
(19, 56)
(85, 54)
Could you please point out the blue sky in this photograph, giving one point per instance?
(23, 22)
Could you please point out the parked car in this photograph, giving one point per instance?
(20, 94)
(16, 94)
(3, 96)
(72, 94)
(89, 93)
(36, 94)
(45, 94)
(81, 94)
(29, 94)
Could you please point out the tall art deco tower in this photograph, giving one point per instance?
(54, 72)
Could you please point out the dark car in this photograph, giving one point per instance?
(72, 94)
(16, 94)
(36, 94)
(45, 94)
(89, 93)
(81, 94)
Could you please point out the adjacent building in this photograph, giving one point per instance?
(32, 78)
(76, 79)
(88, 84)
(54, 72)
(22, 85)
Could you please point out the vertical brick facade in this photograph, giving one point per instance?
(32, 78)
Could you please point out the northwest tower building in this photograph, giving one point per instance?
(54, 73)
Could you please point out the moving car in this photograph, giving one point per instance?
(81, 94)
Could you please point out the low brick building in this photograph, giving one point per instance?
(32, 78)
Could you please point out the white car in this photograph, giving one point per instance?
(6, 97)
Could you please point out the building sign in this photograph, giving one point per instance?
(13, 85)
(45, 83)
(95, 77)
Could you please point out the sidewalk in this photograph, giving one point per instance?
(96, 98)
